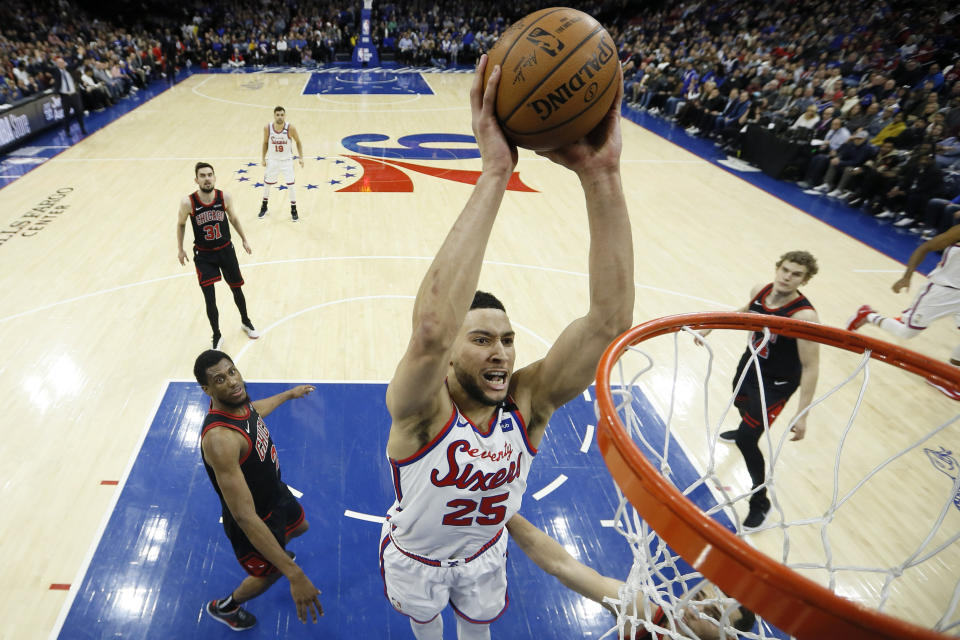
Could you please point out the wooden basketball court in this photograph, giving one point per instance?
(99, 315)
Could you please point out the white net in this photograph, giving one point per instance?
(867, 505)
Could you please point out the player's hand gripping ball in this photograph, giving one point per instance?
(560, 69)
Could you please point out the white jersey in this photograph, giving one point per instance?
(454, 496)
(947, 271)
(279, 145)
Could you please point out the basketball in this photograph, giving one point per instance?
(560, 70)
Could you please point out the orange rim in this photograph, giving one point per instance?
(786, 599)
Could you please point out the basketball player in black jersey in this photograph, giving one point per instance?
(785, 365)
(260, 515)
(210, 212)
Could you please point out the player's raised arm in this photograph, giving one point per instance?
(937, 243)
(570, 365)
(266, 406)
(182, 214)
(451, 280)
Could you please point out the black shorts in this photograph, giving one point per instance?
(776, 393)
(285, 516)
(209, 264)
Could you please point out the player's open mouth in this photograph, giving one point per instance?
(496, 379)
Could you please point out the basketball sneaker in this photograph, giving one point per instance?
(252, 333)
(859, 318)
(757, 514)
(729, 436)
(293, 212)
(217, 342)
(263, 209)
(239, 619)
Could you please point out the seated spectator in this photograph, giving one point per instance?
(876, 176)
(947, 151)
(96, 97)
(941, 214)
(918, 182)
(912, 135)
(706, 108)
(894, 128)
(830, 166)
(808, 119)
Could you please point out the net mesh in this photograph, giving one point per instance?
(668, 397)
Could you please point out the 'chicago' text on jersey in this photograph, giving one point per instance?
(211, 215)
(263, 439)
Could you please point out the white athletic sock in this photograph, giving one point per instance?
(293, 194)
(470, 631)
(266, 191)
(432, 630)
(896, 327)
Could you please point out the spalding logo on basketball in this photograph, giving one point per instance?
(560, 70)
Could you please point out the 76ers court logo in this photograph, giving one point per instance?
(374, 167)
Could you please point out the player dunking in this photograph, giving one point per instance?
(211, 214)
(785, 365)
(465, 426)
(940, 297)
(278, 158)
(260, 515)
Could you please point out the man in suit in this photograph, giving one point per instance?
(66, 85)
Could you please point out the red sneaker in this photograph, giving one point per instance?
(859, 318)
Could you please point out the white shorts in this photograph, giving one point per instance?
(477, 590)
(935, 301)
(278, 168)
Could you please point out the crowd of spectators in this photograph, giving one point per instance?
(867, 91)
(869, 87)
(113, 55)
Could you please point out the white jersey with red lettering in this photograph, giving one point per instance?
(279, 144)
(454, 496)
(947, 271)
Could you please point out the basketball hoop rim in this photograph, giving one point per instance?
(801, 607)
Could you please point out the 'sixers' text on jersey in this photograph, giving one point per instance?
(456, 493)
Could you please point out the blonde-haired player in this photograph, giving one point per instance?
(277, 157)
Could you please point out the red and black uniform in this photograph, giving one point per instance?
(213, 251)
(780, 372)
(274, 503)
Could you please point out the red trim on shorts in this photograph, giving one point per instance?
(207, 283)
(296, 522)
(450, 563)
(506, 603)
(383, 546)
(222, 246)
(237, 285)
